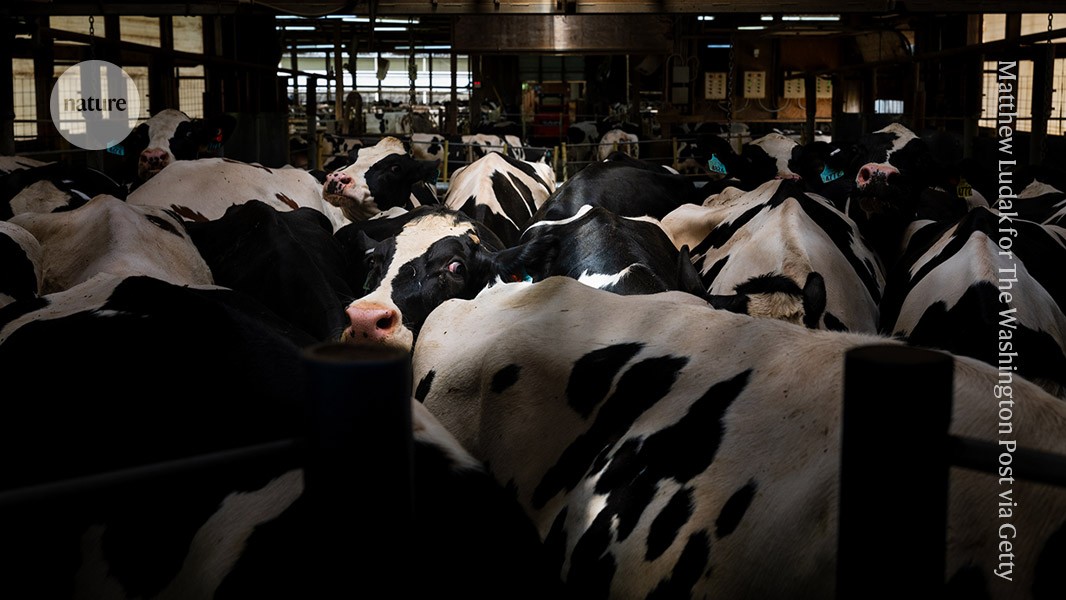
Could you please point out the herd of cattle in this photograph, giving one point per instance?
(626, 385)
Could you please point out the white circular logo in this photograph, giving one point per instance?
(95, 105)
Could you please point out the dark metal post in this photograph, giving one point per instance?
(359, 474)
(894, 471)
(312, 122)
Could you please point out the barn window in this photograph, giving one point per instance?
(25, 97)
(191, 90)
(994, 27)
(888, 107)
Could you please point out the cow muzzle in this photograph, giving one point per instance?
(871, 171)
(373, 324)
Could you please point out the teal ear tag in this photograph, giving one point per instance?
(716, 165)
(830, 174)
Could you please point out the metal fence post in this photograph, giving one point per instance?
(894, 472)
(359, 475)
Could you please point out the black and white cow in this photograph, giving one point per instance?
(382, 177)
(227, 376)
(617, 140)
(108, 235)
(167, 136)
(53, 187)
(776, 149)
(781, 253)
(204, 189)
(289, 260)
(582, 140)
(21, 276)
(419, 260)
(956, 289)
(698, 456)
(624, 255)
(624, 185)
(14, 163)
(894, 186)
(462, 150)
(501, 192)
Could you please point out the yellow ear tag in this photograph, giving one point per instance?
(475, 238)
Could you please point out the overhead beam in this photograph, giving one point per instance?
(544, 7)
(629, 34)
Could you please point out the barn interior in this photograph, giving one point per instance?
(811, 68)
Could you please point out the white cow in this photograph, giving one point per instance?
(663, 446)
(107, 235)
(202, 189)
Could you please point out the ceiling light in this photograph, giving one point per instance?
(705, 18)
(810, 18)
(751, 27)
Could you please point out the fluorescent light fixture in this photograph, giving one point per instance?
(389, 28)
(810, 18)
(314, 47)
(705, 18)
(348, 18)
(427, 47)
(719, 46)
(766, 18)
(751, 27)
(296, 28)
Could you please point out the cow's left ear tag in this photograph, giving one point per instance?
(827, 175)
(716, 165)
(117, 150)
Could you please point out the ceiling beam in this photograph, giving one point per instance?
(542, 7)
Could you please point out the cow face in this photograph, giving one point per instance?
(171, 135)
(382, 177)
(439, 254)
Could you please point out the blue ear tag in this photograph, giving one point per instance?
(716, 165)
(830, 174)
(116, 150)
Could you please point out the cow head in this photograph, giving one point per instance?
(171, 135)
(438, 254)
(383, 176)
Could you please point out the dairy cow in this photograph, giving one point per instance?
(288, 260)
(895, 184)
(501, 192)
(204, 189)
(21, 276)
(954, 288)
(624, 185)
(170, 135)
(698, 456)
(231, 530)
(624, 255)
(14, 163)
(382, 177)
(107, 235)
(421, 258)
(781, 253)
(620, 141)
(53, 187)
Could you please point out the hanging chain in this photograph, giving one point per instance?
(92, 37)
(412, 68)
(729, 85)
(1049, 78)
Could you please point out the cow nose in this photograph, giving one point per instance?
(155, 158)
(372, 322)
(337, 181)
(871, 170)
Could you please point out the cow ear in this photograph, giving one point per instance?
(529, 261)
(813, 300)
(688, 279)
(213, 132)
(135, 142)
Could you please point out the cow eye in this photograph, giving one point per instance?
(456, 267)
